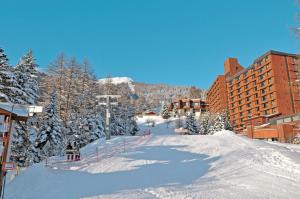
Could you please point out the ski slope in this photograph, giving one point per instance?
(166, 165)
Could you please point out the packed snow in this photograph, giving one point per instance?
(119, 80)
(163, 164)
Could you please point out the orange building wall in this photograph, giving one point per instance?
(232, 66)
(264, 88)
(217, 95)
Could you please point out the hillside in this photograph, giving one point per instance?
(165, 165)
(150, 96)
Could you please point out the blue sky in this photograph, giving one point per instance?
(179, 42)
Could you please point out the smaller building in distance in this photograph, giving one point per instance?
(217, 95)
(185, 106)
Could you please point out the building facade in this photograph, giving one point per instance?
(186, 106)
(269, 88)
(217, 95)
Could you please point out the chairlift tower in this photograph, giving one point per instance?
(108, 101)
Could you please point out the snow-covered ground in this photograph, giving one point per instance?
(166, 165)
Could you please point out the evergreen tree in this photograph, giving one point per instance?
(225, 118)
(217, 123)
(191, 125)
(26, 76)
(175, 111)
(133, 127)
(23, 150)
(9, 89)
(165, 114)
(49, 139)
(205, 123)
(90, 129)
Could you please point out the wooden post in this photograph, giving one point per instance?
(5, 157)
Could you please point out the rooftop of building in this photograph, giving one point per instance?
(273, 52)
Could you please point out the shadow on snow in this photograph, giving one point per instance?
(176, 167)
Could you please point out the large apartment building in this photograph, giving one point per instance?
(217, 95)
(268, 88)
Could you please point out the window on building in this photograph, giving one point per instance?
(254, 83)
(253, 76)
(264, 105)
(273, 103)
(241, 114)
(270, 80)
(266, 112)
(239, 96)
(271, 95)
(240, 101)
(248, 105)
(263, 83)
(270, 88)
(240, 108)
(274, 110)
(261, 77)
(256, 102)
(264, 98)
(257, 109)
(256, 95)
(239, 90)
(263, 91)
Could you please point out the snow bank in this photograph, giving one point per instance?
(224, 133)
(166, 165)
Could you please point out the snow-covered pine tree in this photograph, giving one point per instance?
(23, 152)
(25, 73)
(9, 89)
(225, 118)
(165, 114)
(26, 76)
(133, 127)
(49, 140)
(216, 124)
(90, 128)
(191, 125)
(175, 111)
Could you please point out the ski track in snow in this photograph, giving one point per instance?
(169, 166)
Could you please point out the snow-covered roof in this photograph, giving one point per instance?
(17, 109)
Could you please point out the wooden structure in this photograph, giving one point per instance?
(72, 152)
(8, 114)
